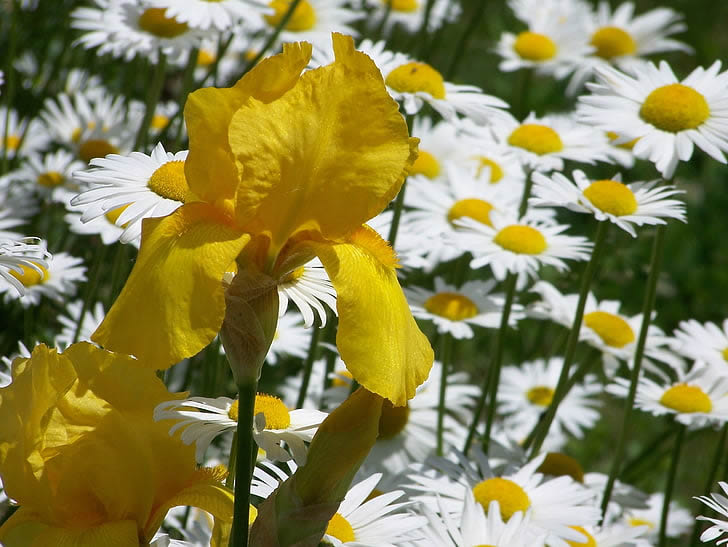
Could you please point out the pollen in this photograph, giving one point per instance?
(533, 46)
(686, 399)
(96, 148)
(414, 77)
(675, 108)
(426, 164)
(233, 411)
(612, 329)
(159, 121)
(510, 496)
(536, 138)
(612, 197)
(293, 276)
(404, 6)
(113, 215)
(629, 145)
(154, 21)
(275, 412)
(205, 58)
(303, 17)
(340, 528)
(451, 305)
(724, 353)
(521, 239)
(612, 42)
(642, 522)
(540, 395)
(477, 209)
(30, 275)
(392, 420)
(589, 542)
(496, 172)
(557, 464)
(12, 142)
(50, 179)
(169, 181)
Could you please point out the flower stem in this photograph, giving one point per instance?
(523, 206)
(187, 82)
(647, 307)
(152, 98)
(462, 44)
(399, 201)
(90, 289)
(9, 91)
(670, 484)
(562, 386)
(244, 464)
(308, 364)
(445, 352)
(717, 456)
(232, 462)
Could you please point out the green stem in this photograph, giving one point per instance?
(187, 83)
(670, 484)
(490, 381)
(232, 462)
(399, 201)
(244, 464)
(719, 451)
(645, 456)
(383, 22)
(563, 385)
(523, 206)
(462, 44)
(155, 92)
(9, 91)
(647, 307)
(445, 352)
(521, 108)
(308, 364)
(94, 279)
(421, 35)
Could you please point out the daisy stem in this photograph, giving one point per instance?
(491, 379)
(232, 462)
(562, 387)
(244, 462)
(670, 483)
(399, 201)
(523, 206)
(382, 23)
(445, 353)
(9, 90)
(90, 289)
(462, 44)
(521, 106)
(187, 82)
(647, 307)
(155, 92)
(308, 364)
(422, 33)
(717, 456)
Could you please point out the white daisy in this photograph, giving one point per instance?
(273, 424)
(679, 519)
(21, 260)
(309, 288)
(20, 134)
(410, 14)
(362, 520)
(291, 339)
(91, 320)
(543, 143)
(50, 175)
(410, 246)
(702, 342)
(58, 281)
(637, 203)
(454, 310)
(439, 143)
(104, 226)
(222, 15)
(613, 534)
(519, 247)
(145, 186)
(667, 116)
(624, 496)
(338, 382)
(717, 502)
(17, 206)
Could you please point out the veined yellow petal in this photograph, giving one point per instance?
(327, 155)
(173, 303)
(377, 337)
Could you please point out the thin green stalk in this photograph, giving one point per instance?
(9, 91)
(562, 386)
(232, 462)
(521, 108)
(670, 484)
(713, 471)
(308, 364)
(187, 83)
(399, 201)
(462, 44)
(445, 353)
(647, 307)
(155, 91)
(383, 22)
(244, 464)
(523, 206)
(645, 456)
(94, 279)
(421, 36)
(490, 381)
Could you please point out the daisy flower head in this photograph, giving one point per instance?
(104, 226)
(309, 288)
(679, 519)
(50, 175)
(57, 281)
(220, 15)
(455, 310)
(520, 246)
(91, 321)
(132, 188)
(21, 137)
(201, 419)
(291, 339)
(719, 503)
(439, 143)
(702, 342)
(21, 260)
(543, 143)
(667, 117)
(622, 204)
(410, 14)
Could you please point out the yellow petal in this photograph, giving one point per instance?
(326, 156)
(378, 338)
(173, 303)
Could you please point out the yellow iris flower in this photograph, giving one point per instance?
(81, 453)
(282, 166)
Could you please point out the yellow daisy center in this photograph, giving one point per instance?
(12, 142)
(496, 172)
(392, 420)
(611, 197)
(159, 121)
(414, 77)
(425, 164)
(338, 381)
(233, 411)
(303, 17)
(50, 179)
(340, 528)
(589, 542)
(406, 6)
(275, 412)
(507, 493)
(521, 239)
(113, 215)
(169, 181)
(477, 209)
(675, 108)
(293, 276)
(96, 148)
(613, 42)
(154, 21)
(205, 58)
(641, 522)
(252, 514)
(536, 138)
(626, 145)
(686, 399)
(557, 464)
(724, 353)
(612, 329)
(31, 276)
(533, 46)
(540, 395)
(451, 305)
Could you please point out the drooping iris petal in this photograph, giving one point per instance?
(177, 279)
(23, 529)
